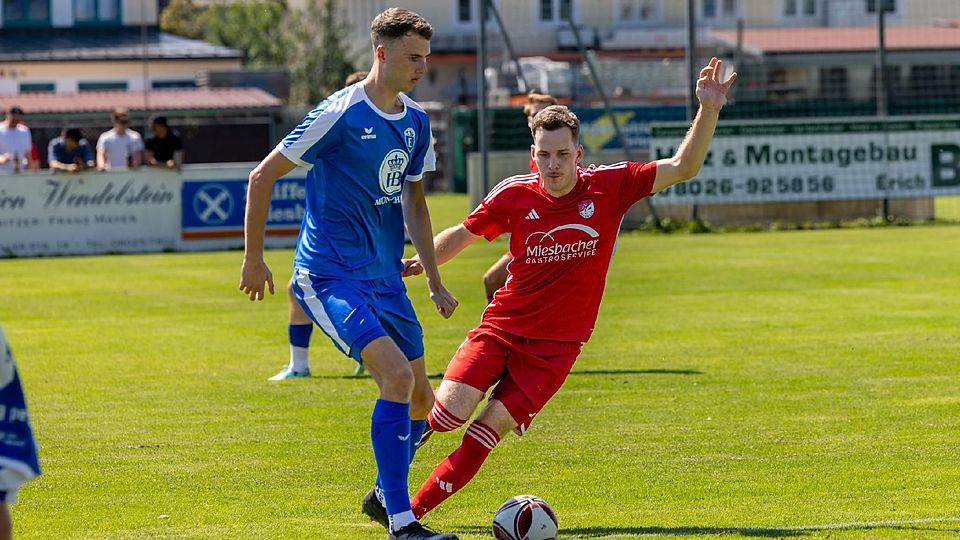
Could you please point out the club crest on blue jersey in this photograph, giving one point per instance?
(411, 137)
(586, 208)
(392, 169)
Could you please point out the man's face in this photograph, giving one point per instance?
(405, 61)
(14, 118)
(557, 156)
(159, 131)
(70, 144)
(121, 122)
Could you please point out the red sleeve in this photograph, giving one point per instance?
(486, 220)
(637, 182)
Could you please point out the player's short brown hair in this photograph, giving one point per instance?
(119, 113)
(395, 23)
(355, 77)
(556, 117)
(534, 98)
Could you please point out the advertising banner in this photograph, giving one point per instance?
(839, 159)
(65, 214)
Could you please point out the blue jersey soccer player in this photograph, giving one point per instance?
(367, 147)
(18, 450)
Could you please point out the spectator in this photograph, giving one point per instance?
(164, 145)
(70, 152)
(120, 147)
(15, 143)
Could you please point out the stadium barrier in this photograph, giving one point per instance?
(143, 210)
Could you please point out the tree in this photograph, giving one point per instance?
(184, 18)
(318, 62)
(253, 27)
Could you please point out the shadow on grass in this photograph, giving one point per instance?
(439, 376)
(748, 532)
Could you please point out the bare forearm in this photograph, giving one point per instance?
(693, 150)
(255, 216)
(417, 217)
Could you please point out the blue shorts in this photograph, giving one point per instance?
(352, 313)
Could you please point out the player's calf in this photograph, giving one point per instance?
(442, 420)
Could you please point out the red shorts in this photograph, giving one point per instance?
(529, 371)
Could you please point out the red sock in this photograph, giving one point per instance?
(457, 469)
(442, 420)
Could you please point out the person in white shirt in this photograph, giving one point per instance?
(15, 143)
(120, 147)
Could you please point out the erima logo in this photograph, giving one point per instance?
(368, 134)
(392, 169)
(533, 215)
(404, 437)
(446, 486)
(543, 247)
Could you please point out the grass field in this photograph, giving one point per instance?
(776, 385)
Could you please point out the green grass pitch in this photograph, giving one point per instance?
(775, 385)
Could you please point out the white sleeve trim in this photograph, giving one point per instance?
(291, 154)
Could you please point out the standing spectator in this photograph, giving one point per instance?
(15, 143)
(164, 146)
(70, 152)
(120, 147)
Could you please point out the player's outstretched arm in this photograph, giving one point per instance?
(254, 272)
(416, 215)
(447, 245)
(685, 164)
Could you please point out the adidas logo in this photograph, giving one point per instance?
(368, 134)
(533, 215)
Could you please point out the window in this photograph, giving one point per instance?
(637, 10)
(889, 6)
(794, 9)
(20, 13)
(556, 11)
(185, 83)
(719, 9)
(464, 13)
(467, 12)
(833, 83)
(88, 12)
(93, 86)
(37, 87)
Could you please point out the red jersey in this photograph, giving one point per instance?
(561, 247)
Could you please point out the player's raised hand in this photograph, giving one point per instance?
(252, 277)
(411, 267)
(710, 91)
(445, 301)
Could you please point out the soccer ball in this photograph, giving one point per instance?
(525, 517)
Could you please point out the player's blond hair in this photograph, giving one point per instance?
(533, 99)
(395, 23)
(355, 77)
(556, 117)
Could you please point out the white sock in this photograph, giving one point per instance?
(299, 358)
(401, 520)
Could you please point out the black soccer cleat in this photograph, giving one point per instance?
(373, 507)
(427, 433)
(416, 531)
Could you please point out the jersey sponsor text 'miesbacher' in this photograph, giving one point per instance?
(359, 159)
(561, 247)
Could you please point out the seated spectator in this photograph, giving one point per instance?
(15, 143)
(70, 152)
(164, 146)
(120, 147)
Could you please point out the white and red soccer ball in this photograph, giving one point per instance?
(525, 517)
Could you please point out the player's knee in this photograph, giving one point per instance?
(398, 380)
(442, 420)
(421, 402)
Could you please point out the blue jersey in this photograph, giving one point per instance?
(359, 159)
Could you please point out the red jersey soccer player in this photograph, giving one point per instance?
(563, 224)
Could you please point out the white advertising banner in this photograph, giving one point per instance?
(65, 214)
(200, 208)
(839, 159)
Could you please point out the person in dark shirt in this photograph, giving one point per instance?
(70, 152)
(164, 146)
